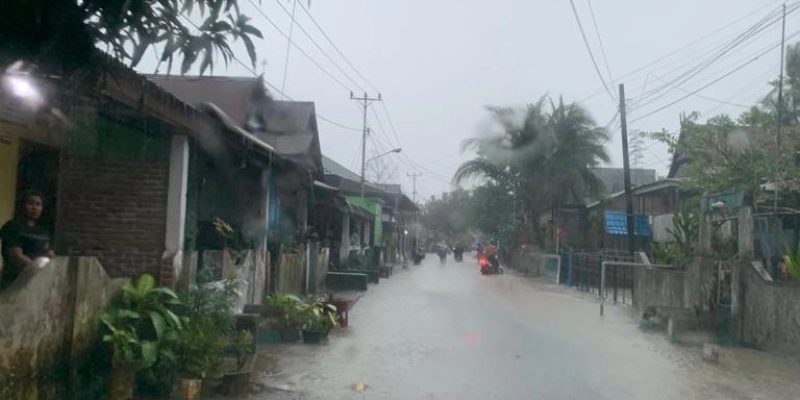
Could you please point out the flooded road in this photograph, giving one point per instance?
(446, 332)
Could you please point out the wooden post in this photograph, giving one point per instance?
(745, 241)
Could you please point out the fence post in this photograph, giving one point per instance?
(601, 290)
(615, 277)
(570, 262)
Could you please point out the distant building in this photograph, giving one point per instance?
(614, 180)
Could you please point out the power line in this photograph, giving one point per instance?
(275, 88)
(600, 40)
(751, 32)
(288, 47)
(589, 49)
(335, 47)
(313, 61)
(712, 82)
(703, 97)
(748, 89)
(391, 124)
(308, 35)
(678, 50)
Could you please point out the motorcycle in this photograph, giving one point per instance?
(489, 266)
(442, 255)
(458, 254)
(419, 255)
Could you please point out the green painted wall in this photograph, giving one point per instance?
(375, 209)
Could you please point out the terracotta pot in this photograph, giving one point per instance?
(120, 382)
(313, 337)
(290, 335)
(190, 388)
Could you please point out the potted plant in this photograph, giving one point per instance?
(207, 317)
(290, 307)
(138, 329)
(317, 318)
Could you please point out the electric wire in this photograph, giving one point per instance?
(770, 48)
(335, 47)
(589, 49)
(324, 53)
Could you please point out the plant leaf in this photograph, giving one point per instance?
(149, 353)
(158, 323)
(251, 49)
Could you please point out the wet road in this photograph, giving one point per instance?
(446, 332)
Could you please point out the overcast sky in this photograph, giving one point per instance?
(438, 63)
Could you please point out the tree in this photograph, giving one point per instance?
(449, 214)
(543, 155)
(721, 156)
(65, 33)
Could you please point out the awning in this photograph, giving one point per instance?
(356, 209)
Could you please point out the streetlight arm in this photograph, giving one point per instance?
(383, 154)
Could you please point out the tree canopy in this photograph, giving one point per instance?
(66, 32)
(542, 154)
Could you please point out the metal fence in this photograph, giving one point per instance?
(582, 270)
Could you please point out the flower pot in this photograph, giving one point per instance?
(313, 337)
(267, 336)
(120, 382)
(190, 388)
(290, 335)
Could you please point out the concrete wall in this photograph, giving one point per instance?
(48, 330)
(658, 287)
(534, 263)
(771, 312)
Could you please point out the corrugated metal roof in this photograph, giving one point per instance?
(333, 168)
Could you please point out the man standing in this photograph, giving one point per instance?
(24, 238)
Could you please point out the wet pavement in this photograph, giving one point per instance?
(446, 332)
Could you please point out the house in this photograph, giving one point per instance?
(295, 214)
(653, 207)
(382, 218)
(402, 215)
(614, 178)
(109, 152)
(127, 170)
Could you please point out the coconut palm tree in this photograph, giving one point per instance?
(544, 154)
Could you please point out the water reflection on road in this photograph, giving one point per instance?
(446, 332)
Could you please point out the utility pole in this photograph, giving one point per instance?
(365, 103)
(414, 191)
(780, 113)
(627, 170)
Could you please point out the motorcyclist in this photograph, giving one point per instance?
(442, 250)
(458, 252)
(491, 253)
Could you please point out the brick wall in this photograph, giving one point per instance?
(115, 210)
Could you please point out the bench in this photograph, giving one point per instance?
(346, 281)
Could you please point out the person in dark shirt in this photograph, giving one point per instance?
(24, 239)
